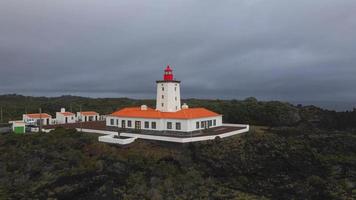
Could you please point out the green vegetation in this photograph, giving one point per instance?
(285, 163)
(297, 153)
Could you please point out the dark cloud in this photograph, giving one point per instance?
(289, 50)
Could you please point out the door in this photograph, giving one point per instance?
(137, 124)
(66, 119)
(123, 124)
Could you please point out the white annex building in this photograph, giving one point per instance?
(169, 114)
(36, 118)
(88, 116)
(64, 117)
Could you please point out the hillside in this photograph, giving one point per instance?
(264, 164)
(297, 153)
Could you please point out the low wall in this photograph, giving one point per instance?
(111, 139)
(85, 130)
(96, 131)
(5, 129)
(245, 129)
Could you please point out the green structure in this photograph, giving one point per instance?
(19, 130)
(18, 127)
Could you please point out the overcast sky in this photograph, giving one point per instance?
(297, 50)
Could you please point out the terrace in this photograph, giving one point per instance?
(101, 126)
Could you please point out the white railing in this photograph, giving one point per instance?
(245, 129)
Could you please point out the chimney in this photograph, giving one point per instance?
(63, 110)
(143, 107)
(185, 106)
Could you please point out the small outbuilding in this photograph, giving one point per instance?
(18, 127)
(64, 117)
(88, 116)
(36, 118)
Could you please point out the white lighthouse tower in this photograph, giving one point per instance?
(168, 93)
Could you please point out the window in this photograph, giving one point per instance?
(169, 125)
(203, 124)
(112, 122)
(175, 88)
(117, 122)
(175, 98)
(214, 122)
(197, 125)
(147, 124)
(123, 124)
(162, 88)
(210, 123)
(162, 96)
(178, 126)
(129, 123)
(153, 125)
(162, 104)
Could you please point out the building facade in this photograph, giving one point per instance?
(36, 118)
(186, 120)
(64, 117)
(88, 116)
(169, 115)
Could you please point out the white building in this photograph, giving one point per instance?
(169, 115)
(88, 116)
(35, 118)
(64, 117)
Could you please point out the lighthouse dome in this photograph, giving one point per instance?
(168, 74)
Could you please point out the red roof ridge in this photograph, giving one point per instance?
(190, 113)
(38, 115)
(88, 113)
(66, 113)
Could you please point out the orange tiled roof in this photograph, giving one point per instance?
(38, 115)
(190, 113)
(88, 113)
(66, 113)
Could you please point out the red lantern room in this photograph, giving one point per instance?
(168, 74)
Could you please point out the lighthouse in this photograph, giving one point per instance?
(169, 115)
(168, 93)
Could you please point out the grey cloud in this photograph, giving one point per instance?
(288, 50)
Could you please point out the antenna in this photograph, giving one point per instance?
(40, 120)
(81, 118)
(1, 115)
